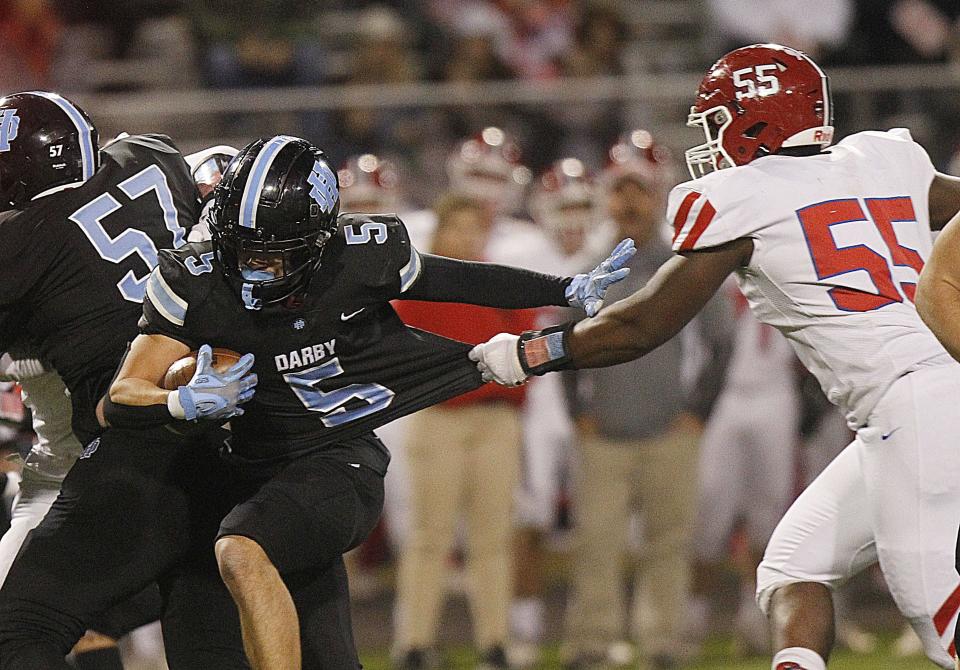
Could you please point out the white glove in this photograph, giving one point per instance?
(498, 360)
(19, 369)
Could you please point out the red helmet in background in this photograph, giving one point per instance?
(755, 101)
(488, 167)
(637, 155)
(369, 184)
(565, 202)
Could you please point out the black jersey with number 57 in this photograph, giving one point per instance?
(74, 262)
(337, 365)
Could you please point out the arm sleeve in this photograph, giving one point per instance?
(444, 279)
(166, 302)
(715, 324)
(128, 416)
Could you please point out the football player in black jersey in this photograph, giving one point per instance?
(80, 235)
(305, 295)
(80, 230)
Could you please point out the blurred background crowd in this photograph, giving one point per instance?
(612, 518)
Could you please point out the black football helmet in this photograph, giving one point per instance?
(273, 211)
(45, 141)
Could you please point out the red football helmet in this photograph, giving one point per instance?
(488, 167)
(755, 101)
(368, 184)
(636, 154)
(565, 203)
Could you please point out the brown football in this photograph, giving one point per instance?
(181, 371)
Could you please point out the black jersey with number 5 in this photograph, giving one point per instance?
(74, 263)
(339, 364)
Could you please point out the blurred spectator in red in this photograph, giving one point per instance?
(464, 459)
(530, 35)
(29, 37)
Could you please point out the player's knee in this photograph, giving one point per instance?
(238, 558)
(769, 579)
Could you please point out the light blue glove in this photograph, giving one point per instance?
(216, 395)
(587, 290)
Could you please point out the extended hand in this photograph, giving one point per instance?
(587, 290)
(216, 395)
(20, 369)
(498, 360)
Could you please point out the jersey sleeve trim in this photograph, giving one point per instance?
(703, 220)
(682, 212)
(693, 217)
(411, 271)
(171, 306)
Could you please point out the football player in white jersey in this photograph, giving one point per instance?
(827, 246)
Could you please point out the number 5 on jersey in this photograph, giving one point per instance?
(332, 405)
(831, 260)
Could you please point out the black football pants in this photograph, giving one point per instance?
(141, 510)
(136, 511)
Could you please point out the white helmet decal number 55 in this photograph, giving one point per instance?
(765, 84)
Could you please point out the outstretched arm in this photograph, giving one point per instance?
(626, 330)
(938, 291)
(447, 280)
(635, 326)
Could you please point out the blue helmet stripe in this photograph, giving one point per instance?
(257, 177)
(84, 130)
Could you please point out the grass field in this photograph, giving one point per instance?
(714, 659)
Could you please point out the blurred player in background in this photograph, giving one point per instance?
(639, 428)
(370, 184)
(489, 169)
(827, 245)
(459, 466)
(748, 465)
(567, 203)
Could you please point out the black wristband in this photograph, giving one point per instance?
(130, 416)
(543, 351)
